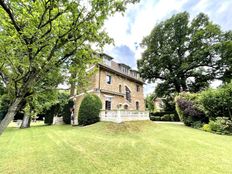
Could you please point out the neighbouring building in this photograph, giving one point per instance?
(120, 89)
(158, 104)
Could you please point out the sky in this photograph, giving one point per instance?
(129, 29)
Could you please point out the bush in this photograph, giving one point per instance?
(197, 124)
(66, 113)
(217, 102)
(48, 118)
(50, 113)
(160, 113)
(89, 110)
(189, 109)
(206, 128)
(155, 118)
(166, 118)
(173, 117)
(222, 125)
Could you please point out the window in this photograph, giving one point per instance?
(108, 102)
(120, 88)
(107, 61)
(133, 73)
(108, 105)
(128, 94)
(108, 79)
(119, 106)
(137, 105)
(126, 107)
(137, 88)
(124, 69)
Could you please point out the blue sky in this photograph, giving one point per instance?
(139, 19)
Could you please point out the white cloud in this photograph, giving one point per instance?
(146, 14)
(139, 20)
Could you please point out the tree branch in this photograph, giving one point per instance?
(10, 14)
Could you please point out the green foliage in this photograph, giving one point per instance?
(38, 39)
(177, 49)
(225, 64)
(217, 102)
(149, 103)
(66, 113)
(55, 108)
(89, 110)
(49, 115)
(222, 125)
(189, 109)
(4, 105)
(155, 118)
(206, 128)
(166, 118)
(212, 104)
(197, 124)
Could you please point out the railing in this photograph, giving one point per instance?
(123, 115)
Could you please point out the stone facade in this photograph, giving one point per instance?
(117, 85)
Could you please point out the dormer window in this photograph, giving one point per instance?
(107, 61)
(124, 68)
(134, 73)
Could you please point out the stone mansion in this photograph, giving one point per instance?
(118, 86)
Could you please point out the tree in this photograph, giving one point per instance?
(225, 63)
(180, 54)
(149, 102)
(37, 36)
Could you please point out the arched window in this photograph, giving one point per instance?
(120, 88)
(137, 105)
(128, 94)
(126, 107)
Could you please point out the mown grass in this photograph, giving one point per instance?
(127, 148)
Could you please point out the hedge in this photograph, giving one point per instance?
(156, 116)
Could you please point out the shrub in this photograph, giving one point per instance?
(48, 118)
(173, 117)
(197, 124)
(206, 128)
(189, 109)
(217, 102)
(222, 125)
(166, 118)
(89, 110)
(155, 118)
(66, 113)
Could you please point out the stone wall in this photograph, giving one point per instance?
(114, 87)
(98, 83)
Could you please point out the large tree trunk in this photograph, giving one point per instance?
(73, 85)
(26, 121)
(13, 109)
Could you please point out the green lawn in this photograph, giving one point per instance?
(135, 147)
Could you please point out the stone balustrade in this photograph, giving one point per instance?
(119, 116)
